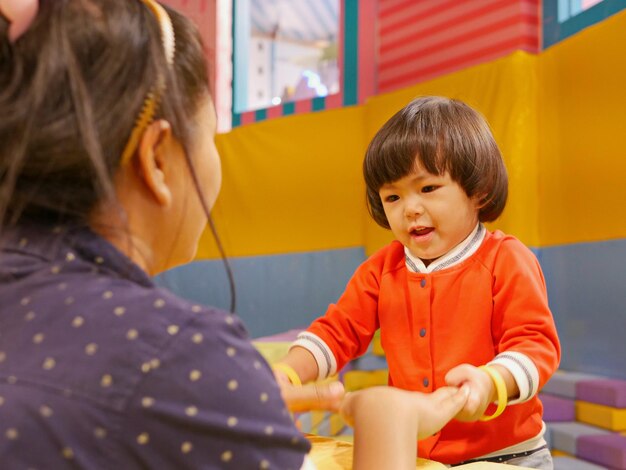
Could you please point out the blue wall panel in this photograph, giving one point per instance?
(587, 294)
(274, 293)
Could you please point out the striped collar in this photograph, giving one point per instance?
(459, 253)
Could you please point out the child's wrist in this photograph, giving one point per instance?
(499, 387)
(289, 372)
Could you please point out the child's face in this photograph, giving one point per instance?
(428, 214)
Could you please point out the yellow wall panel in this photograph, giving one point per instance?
(291, 185)
(583, 124)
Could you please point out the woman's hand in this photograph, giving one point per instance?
(388, 422)
(431, 411)
(315, 396)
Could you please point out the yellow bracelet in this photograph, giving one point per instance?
(289, 372)
(500, 391)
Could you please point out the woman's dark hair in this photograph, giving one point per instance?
(443, 135)
(71, 89)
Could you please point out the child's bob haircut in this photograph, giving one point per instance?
(442, 135)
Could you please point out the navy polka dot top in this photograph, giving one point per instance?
(99, 368)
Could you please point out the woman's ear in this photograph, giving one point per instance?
(152, 159)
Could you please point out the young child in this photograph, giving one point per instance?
(448, 295)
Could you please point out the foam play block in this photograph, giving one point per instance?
(570, 463)
(600, 415)
(337, 425)
(602, 392)
(377, 347)
(564, 436)
(558, 453)
(303, 421)
(608, 450)
(563, 383)
(557, 409)
(320, 423)
(358, 379)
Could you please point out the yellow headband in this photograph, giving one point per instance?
(151, 102)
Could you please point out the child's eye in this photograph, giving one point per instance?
(429, 189)
(391, 198)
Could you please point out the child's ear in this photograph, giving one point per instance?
(152, 160)
(480, 200)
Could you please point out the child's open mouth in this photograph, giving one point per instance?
(422, 231)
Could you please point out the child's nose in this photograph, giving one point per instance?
(413, 207)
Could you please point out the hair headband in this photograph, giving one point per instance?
(20, 14)
(151, 102)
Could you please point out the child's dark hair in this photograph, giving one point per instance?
(443, 135)
(71, 89)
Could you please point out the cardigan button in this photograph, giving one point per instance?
(423, 283)
(423, 332)
(425, 382)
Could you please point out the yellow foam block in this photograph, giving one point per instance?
(359, 379)
(272, 351)
(377, 347)
(606, 417)
(560, 453)
(336, 424)
(317, 420)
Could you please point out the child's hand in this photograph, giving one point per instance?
(481, 390)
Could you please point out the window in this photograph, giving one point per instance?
(563, 18)
(570, 8)
(284, 51)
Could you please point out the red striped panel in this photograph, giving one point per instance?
(334, 101)
(463, 43)
(248, 117)
(444, 27)
(456, 63)
(420, 40)
(303, 106)
(440, 13)
(367, 50)
(450, 54)
(274, 111)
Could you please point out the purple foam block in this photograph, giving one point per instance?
(603, 392)
(557, 409)
(608, 450)
(564, 436)
(563, 383)
(569, 463)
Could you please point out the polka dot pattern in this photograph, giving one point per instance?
(129, 360)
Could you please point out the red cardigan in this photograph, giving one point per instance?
(492, 302)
